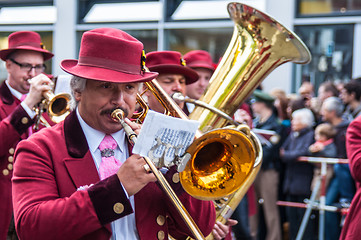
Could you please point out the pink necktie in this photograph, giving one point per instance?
(30, 129)
(109, 164)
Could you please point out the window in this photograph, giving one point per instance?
(213, 40)
(331, 50)
(329, 7)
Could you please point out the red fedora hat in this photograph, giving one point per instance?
(199, 59)
(109, 54)
(25, 40)
(170, 62)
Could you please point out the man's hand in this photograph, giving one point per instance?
(221, 230)
(133, 175)
(39, 84)
(134, 126)
(242, 116)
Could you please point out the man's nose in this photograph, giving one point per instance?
(118, 98)
(203, 82)
(32, 73)
(177, 87)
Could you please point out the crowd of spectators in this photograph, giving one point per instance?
(307, 124)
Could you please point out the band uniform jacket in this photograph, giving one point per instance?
(49, 169)
(14, 124)
(351, 228)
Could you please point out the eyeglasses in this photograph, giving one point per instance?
(28, 67)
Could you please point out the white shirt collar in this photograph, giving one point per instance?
(14, 92)
(94, 137)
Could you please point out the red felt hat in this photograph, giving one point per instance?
(111, 55)
(25, 40)
(199, 59)
(170, 62)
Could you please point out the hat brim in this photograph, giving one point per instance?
(102, 74)
(200, 65)
(5, 52)
(190, 75)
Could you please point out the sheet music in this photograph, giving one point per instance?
(162, 138)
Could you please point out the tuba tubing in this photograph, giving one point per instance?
(226, 159)
(259, 44)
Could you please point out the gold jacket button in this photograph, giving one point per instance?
(11, 151)
(24, 120)
(118, 208)
(5, 172)
(160, 220)
(10, 166)
(11, 159)
(161, 235)
(175, 178)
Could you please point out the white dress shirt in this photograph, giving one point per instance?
(123, 228)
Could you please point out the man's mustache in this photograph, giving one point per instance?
(109, 111)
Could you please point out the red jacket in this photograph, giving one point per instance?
(14, 123)
(53, 164)
(351, 228)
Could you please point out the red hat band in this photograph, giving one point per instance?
(32, 44)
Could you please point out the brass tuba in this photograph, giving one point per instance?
(226, 160)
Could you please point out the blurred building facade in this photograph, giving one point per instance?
(330, 28)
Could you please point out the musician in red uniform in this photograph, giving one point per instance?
(351, 229)
(201, 62)
(24, 60)
(79, 180)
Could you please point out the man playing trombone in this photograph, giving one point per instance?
(24, 60)
(79, 180)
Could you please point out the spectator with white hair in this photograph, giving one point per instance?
(298, 175)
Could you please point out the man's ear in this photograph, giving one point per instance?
(353, 95)
(7, 64)
(77, 96)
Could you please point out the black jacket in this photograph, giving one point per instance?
(298, 175)
(271, 159)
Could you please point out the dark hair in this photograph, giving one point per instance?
(297, 103)
(330, 87)
(353, 87)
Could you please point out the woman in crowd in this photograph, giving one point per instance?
(298, 175)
